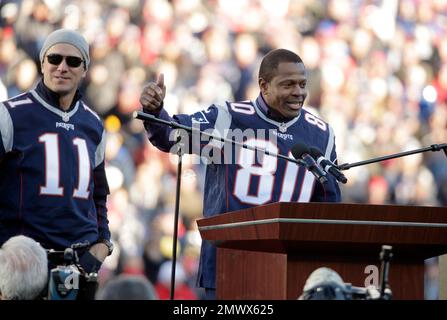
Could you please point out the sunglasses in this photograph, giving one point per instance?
(56, 59)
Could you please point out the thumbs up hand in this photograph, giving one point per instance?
(153, 94)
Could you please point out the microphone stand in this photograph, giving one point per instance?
(176, 217)
(385, 256)
(433, 147)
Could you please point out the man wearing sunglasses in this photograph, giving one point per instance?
(53, 186)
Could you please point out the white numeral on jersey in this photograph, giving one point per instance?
(21, 102)
(244, 108)
(52, 161)
(84, 169)
(52, 167)
(289, 181)
(289, 184)
(315, 121)
(249, 169)
(266, 173)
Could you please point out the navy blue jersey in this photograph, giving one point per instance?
(242, 179)
(52, 181)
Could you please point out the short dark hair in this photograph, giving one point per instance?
(271, 60)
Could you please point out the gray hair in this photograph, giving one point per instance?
(23, 268)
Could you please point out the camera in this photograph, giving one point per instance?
(326, 284)
(68, 280)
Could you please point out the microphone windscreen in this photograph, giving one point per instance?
(315, 152)
(298, 150)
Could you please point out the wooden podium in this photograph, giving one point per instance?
(268, 252)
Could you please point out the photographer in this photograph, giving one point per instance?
(23, 269)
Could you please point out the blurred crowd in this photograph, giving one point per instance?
(377, 73)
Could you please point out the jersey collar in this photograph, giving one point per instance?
(262, 109)
(52, 97)
(64, 115)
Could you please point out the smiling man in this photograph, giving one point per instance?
(53, 186)
(246, 180)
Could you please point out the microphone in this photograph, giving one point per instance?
(327, 165)
(301, 151)
(324, 284)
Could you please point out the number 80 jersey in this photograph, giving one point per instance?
(244, 179)
(49, 159)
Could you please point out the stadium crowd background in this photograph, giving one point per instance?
(377, 74)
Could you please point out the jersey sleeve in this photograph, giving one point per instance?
(214, 121)
(6, 131)
(100, 197)
(101, 190)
